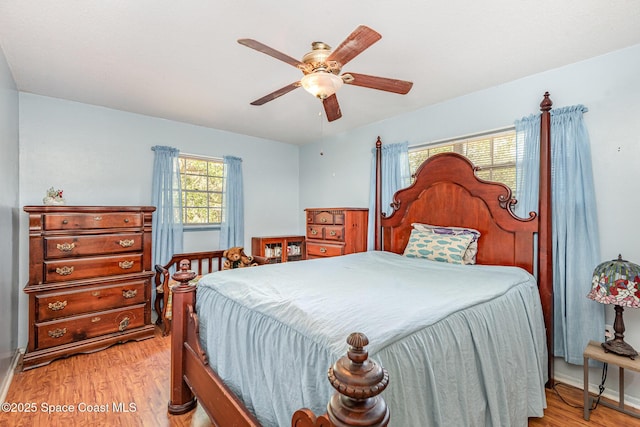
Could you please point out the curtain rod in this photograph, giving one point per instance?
(201, 156)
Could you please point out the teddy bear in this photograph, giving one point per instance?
(236, 258)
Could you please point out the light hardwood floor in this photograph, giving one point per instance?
(128, 385)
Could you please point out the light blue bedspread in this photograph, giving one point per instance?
(464, 344)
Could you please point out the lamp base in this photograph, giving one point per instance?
(619, 346)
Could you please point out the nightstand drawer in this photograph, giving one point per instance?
(64, 304)
(73, 246)
(58, 332)
(78, 221)
(84, 268)
(323, 249)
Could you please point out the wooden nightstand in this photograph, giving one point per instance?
(595, 351)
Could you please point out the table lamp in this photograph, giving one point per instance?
(617, 282)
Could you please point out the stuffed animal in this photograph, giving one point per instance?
(236, 258)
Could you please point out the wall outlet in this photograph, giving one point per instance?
(608, 332)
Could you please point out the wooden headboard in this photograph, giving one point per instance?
(446, 192)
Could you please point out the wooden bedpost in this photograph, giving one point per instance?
(182, 399)
(545, 237)
(358, 381)
(378, 206)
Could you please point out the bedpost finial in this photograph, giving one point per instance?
(358, 381)
(357, 342)
(370, 378)
(546, 103)
(185, 275)
(378, 142)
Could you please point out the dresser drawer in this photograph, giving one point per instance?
(315, 232)
(322, 217)
(64, 304)
(79, 221)
(334, 233)
(323, 250)
(73, 246)
(68, 330)
(84, 268)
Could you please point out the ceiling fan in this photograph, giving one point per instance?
(321, 68)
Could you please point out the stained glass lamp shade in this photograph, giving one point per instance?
(617, 282)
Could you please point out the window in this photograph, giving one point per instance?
(202, 182)
(494, 153)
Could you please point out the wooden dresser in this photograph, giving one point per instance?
(89, 279)
(336, 231)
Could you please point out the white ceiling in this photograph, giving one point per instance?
(179, 59)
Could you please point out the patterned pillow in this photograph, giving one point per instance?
(471, 252)
(437, 247)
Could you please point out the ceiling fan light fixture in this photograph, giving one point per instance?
(321, 84)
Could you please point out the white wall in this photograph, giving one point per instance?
(8, 221)
(608, 85)
(100, 156)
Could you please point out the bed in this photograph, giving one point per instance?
(253, 347)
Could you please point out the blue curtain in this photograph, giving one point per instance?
(167, 198)
(232, 228)
(576, 246)
(395, 176)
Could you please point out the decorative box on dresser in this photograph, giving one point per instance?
(89, 279)
(336, 231)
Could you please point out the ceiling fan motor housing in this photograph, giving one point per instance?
(316, 60)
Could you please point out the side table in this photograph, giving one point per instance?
(595, 351)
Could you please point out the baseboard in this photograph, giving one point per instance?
(609, 392)
(4, 387)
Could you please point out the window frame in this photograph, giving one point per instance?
(209, 225)
(457, 147)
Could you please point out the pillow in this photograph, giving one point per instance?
(471, 252)
(437, 247)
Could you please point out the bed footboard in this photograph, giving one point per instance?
(357, 379)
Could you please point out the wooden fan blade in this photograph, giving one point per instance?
(332, 108)
(260, 47)
(276, 94)
(381, 83)
(361, 38)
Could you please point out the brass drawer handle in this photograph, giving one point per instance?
(66, 247)
(126, 220)
(333, 233)
(123, 324)
(126, 243)
(65, 221)
(129, 293)
(64, 271)
(57, 333)
(95, 319)
(314, 231)
(323, 250)
(324, 220)
(125, 265)
(95, 293)
(97, 218)
(58, 305)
